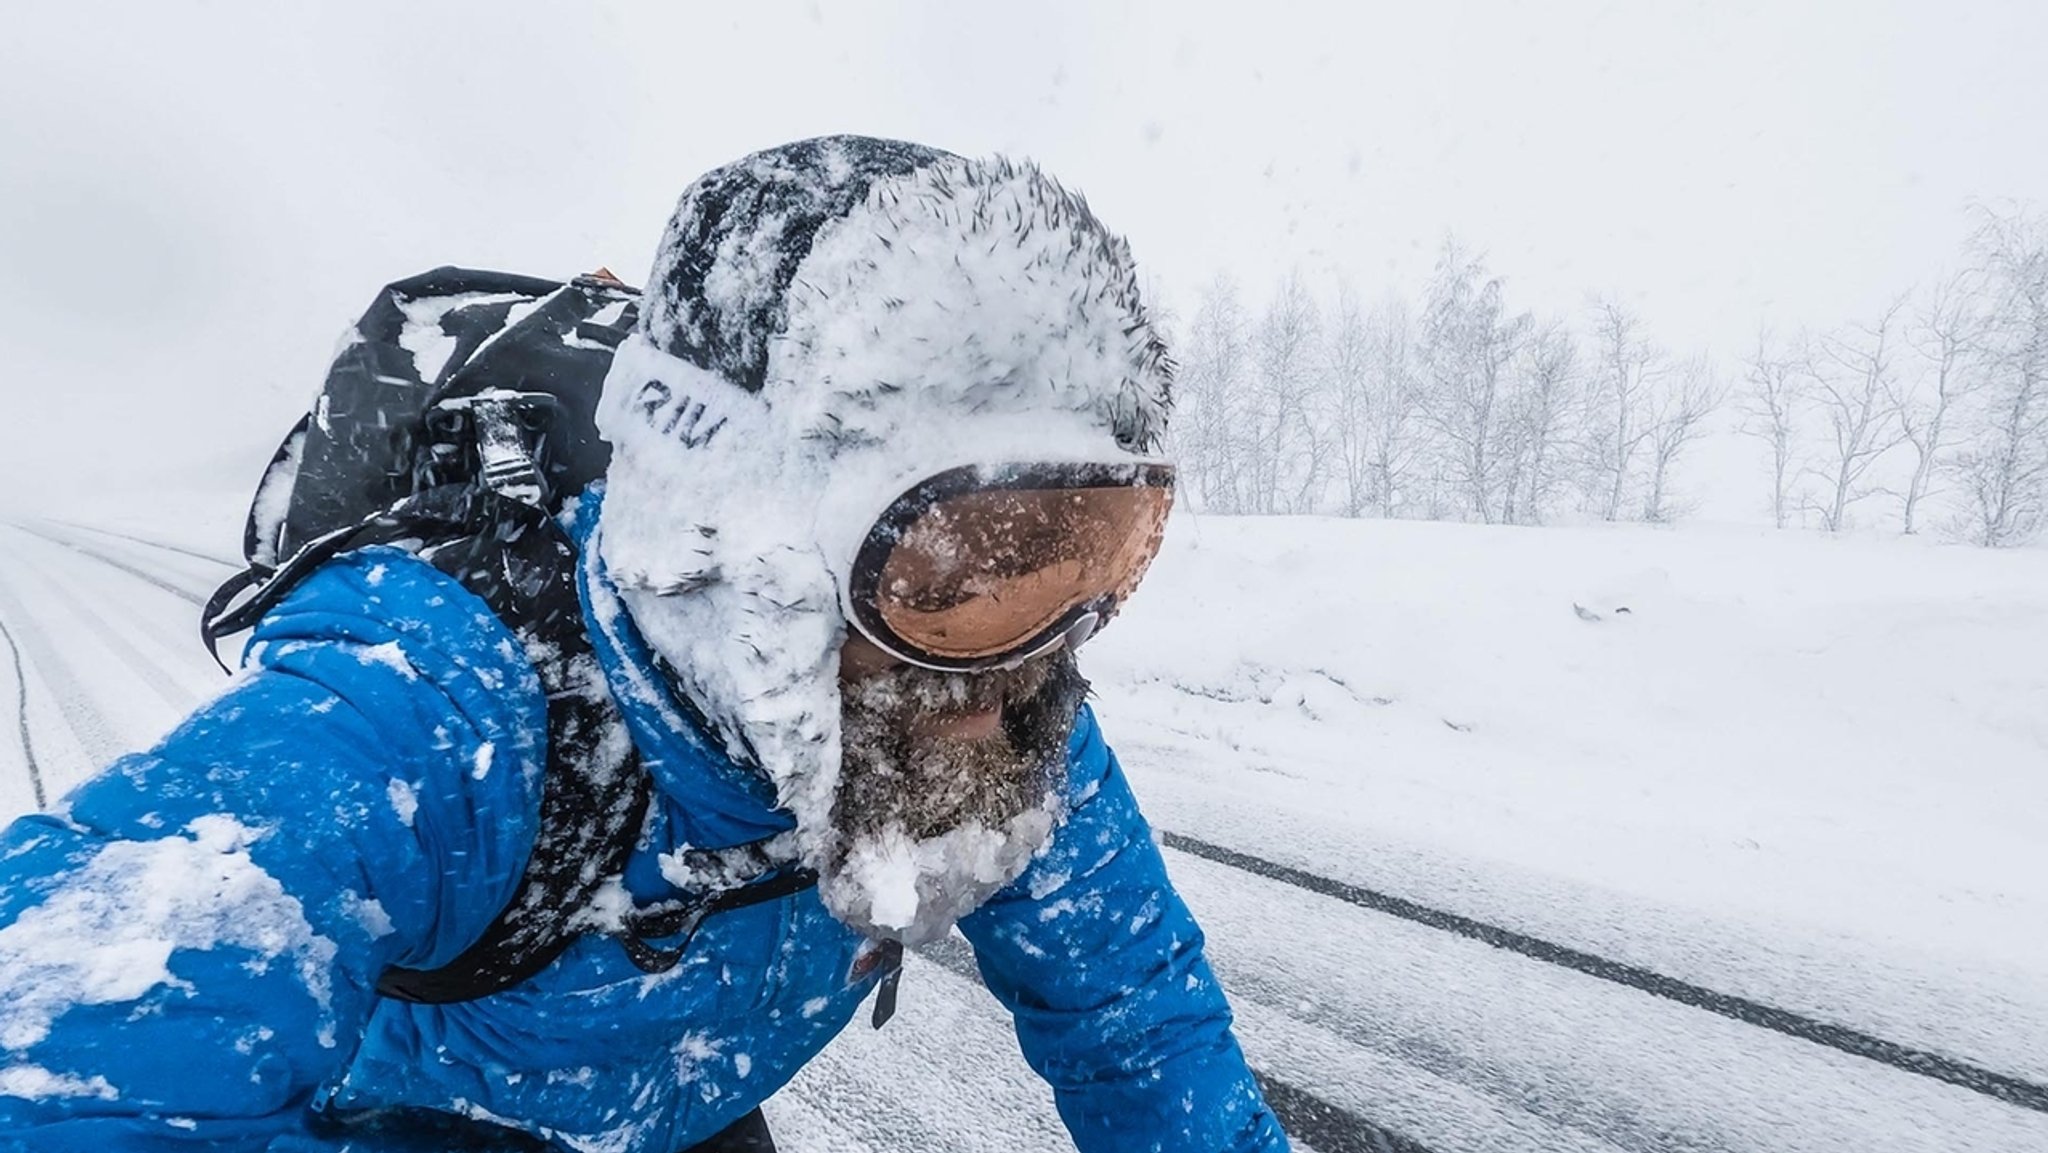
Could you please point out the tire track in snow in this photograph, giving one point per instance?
(1999, 1086)
(143, 540)
(94, 736)
(147, 670)
(163, 581)
(28, 744)
(151, 672)
(1326, 1127)
(195, 599)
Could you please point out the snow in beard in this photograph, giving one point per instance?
(825, 324)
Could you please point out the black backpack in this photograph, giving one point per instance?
(455, 421)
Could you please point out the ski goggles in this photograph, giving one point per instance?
(985, 567)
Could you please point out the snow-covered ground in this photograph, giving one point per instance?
(1809, 773)
(1839, 741)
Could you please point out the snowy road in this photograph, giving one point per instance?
(1392, 998)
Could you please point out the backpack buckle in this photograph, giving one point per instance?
(651, 958)
(501, 421)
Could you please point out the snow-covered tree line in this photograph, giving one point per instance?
(1939, 403)
(1455, 407)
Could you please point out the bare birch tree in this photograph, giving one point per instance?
(1394, 436)
(1281, 446)
(1546, 406)
(1626, 367)
(1348, 355)
(1852, 378)
(1211, 389)
(1678, 413)
(1469, 347)
(1945, 332)
(1771, 407)
(2005, 467)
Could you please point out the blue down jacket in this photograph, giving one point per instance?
(189, 949)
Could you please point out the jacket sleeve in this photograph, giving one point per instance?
(189, 946)
(1101, 964)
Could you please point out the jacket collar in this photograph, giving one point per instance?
(716, 801)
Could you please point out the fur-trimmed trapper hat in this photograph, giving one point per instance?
(826, 323)
(769, 260)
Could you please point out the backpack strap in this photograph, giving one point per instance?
(595, 795)
(645, 925)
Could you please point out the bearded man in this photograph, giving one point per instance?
(883, 455)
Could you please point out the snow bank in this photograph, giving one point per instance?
(1837, 737)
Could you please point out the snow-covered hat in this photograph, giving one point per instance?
(825, 324)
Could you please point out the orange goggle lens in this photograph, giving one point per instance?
(978, 567)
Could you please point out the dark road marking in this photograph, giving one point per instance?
(1326, 1127)
(28, 746)
(1306, 1117)
(1999, 1086)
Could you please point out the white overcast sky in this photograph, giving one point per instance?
(196, 197)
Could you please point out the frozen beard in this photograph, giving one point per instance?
(931, 825)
